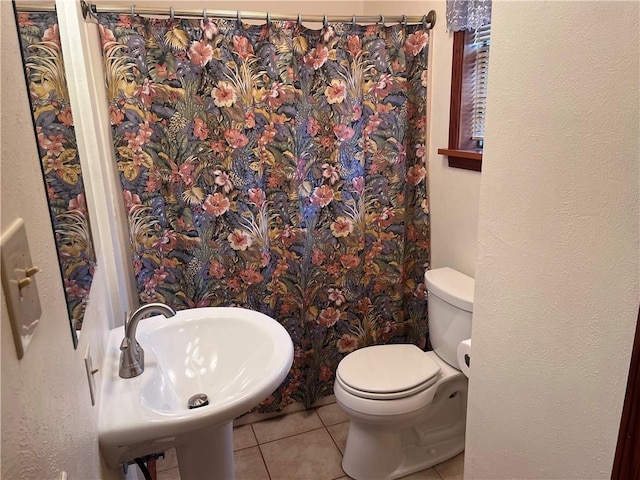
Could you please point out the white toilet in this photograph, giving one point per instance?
(408, 407)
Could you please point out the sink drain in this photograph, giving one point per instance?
(198, 400)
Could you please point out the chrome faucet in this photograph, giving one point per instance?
(132, 354)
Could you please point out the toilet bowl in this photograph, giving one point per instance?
(407, 407)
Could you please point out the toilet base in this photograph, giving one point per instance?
(389, 450)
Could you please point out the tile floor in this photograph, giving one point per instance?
(306, 445)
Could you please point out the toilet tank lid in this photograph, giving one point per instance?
(451, 286)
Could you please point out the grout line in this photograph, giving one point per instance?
(336, 444)
(292, 435)
(264, 462)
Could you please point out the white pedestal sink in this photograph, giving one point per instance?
(237, 357)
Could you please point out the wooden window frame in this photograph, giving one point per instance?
(462, 151)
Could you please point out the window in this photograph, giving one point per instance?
(468, 98)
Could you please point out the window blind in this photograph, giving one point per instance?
(480, 41)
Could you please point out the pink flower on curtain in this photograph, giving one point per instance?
(242, 47)
(347, 343)
(250, 276)
(78, 204)
(343, 132)
(53, 144)
(52, 34)
(210, 29)
(257, 197)
(224, 95)
(317, 256)
(354, 45)
(216, 269)
(287, 236)
(336, 296)
(383, 86)
(416, 42)
(313, 127)
(124, 20)
(249, 119)
(131, 200)
(268, 135)
(275, 96)
(239, 240)
(200, 53)
(331, 172)
(328, 33)
(133, 141)
(342, 227)
(416, 174)
(145, 132)
(216, 204)
(384, 218)
(336, 92)
(322, 196)
(106, 36)
(316, 57)
(115, 115)
(235, 138)
(166, 242)
(349, 260)
(146, 92)
(358, 184)
(66, 117)
(24, 20)
(328, 317)
(200, 129)
(372, 124)
(223, 180)
(185, 171)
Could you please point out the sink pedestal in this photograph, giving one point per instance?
(208, 454)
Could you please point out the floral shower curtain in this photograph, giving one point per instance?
(53, 122)
(280, 169)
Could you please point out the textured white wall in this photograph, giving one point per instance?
(557, 279)
(48, 423)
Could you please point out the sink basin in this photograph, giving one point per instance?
(237, 357)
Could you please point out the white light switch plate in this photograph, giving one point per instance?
(88, 365)
(20, 286)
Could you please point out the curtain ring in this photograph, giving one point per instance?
(239, 16)
(353, 20)
(404, 21)
(268, 19)
(133, 10)
(424, 22)
(171, 14)
(205, 17)
(299, 20)
(382, 20)
(325, 22)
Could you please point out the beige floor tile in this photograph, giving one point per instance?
(428, 474)
(243, 437)
(452, 469)
(285, 426)
(310, 455)
(339, 434)
(331, 414)
(171, 474)
(169, 461)
(249, 464)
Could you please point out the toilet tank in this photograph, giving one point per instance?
(450, 310)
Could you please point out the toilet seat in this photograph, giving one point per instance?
(381, 372)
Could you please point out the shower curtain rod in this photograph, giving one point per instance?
(91, 9)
